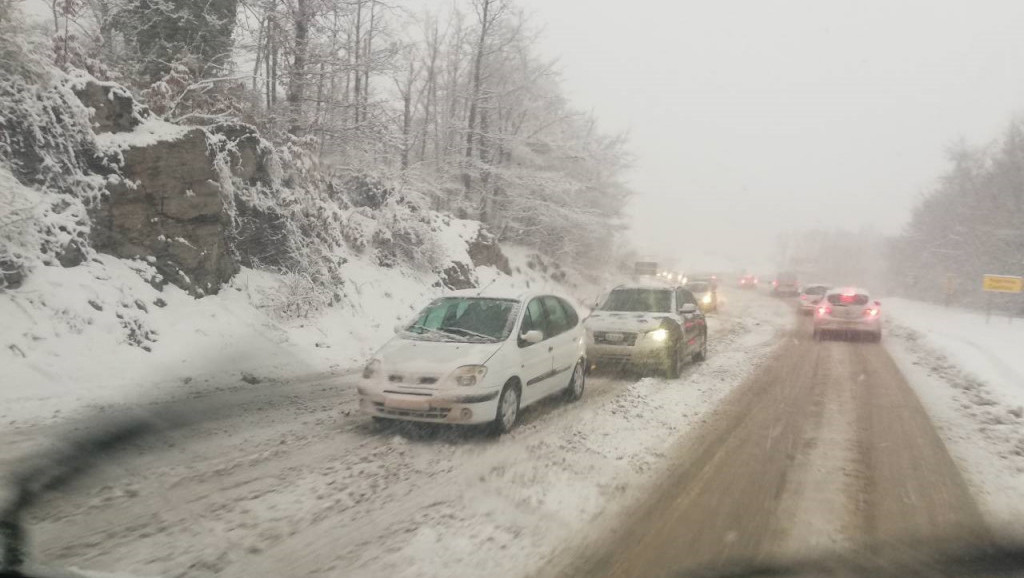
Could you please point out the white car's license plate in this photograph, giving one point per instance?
(406, 403)
(613, 337)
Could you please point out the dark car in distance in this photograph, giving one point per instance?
(785, 285)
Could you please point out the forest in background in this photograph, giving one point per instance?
(970, 224)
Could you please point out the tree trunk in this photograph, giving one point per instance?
(478, 60)
(297, 80)
(356, 62)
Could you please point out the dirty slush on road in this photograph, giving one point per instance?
(825, 448)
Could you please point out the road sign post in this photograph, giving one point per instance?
(999, 284)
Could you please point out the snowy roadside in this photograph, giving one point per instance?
(970, 376)
(99, 334)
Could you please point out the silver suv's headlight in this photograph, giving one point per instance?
(658, 335)
(468, 375)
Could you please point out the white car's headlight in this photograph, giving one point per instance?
(707, 299)
(658, 334)
(371, 368)
(468, 375)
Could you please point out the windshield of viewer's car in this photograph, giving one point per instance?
(465, 320)
(445, 288)
(645, 300)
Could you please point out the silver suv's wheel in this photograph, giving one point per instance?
(703, 353)
(673, 361)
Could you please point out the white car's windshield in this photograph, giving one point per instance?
(466, 320)
(647, 300)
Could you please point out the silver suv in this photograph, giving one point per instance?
(647, 325)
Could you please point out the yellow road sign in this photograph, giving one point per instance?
(1002, 283)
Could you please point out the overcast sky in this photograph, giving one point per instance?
(749, 117)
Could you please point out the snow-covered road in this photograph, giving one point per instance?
(299, 483)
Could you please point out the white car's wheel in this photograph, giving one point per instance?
(508, 409)
(577, 382)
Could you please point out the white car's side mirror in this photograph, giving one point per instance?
(688, 308)
(533, 336)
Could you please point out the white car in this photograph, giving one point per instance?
(848, 311)
(811, 295)
(474, 357)
(648, 325)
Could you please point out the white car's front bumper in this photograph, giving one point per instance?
(467, 405)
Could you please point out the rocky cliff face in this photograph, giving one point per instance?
(167, 207)
(196, 203)
(165, 203)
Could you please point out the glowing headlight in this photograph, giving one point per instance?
(707, 299)
(658, 334)
(468, 375)
(371, 368)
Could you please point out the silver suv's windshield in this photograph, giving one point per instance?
(646, 300)
(464, 320)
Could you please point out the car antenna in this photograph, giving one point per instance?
(485, 287)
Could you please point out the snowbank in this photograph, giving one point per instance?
(992, 351)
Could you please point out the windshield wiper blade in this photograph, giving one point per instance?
(430, 330)
(57, 467)
(469, 333)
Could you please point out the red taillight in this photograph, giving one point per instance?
(803, 297)
(823, 310)
(775, 283)
(871, 312)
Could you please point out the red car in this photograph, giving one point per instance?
(748, 282)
